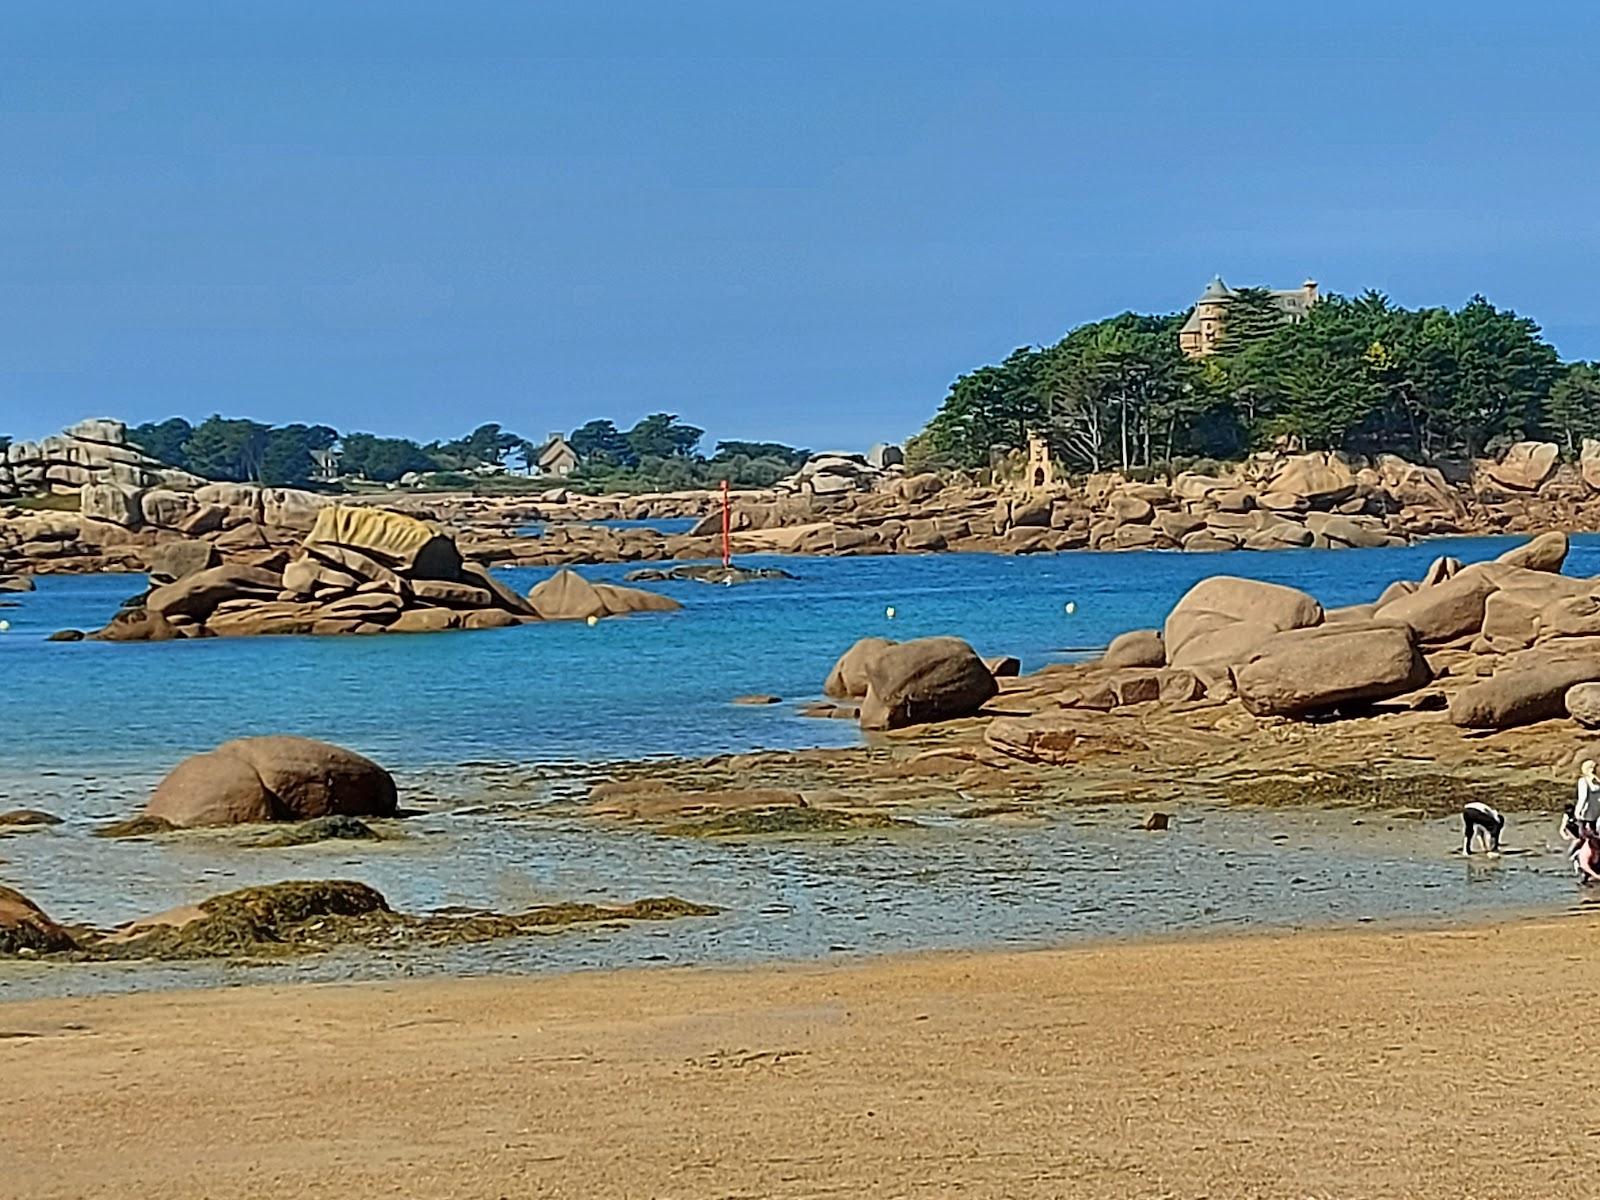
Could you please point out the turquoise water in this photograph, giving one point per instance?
(624, 689)
(90, 728)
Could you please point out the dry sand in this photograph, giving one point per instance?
(1343, 1064)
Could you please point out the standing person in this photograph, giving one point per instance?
(1479, 818)
(1587, 808)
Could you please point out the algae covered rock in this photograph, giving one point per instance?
(26, 930)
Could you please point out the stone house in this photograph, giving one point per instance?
(1202, 331)
(557, 458)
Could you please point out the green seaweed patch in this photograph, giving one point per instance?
(1433, 794)
(27, 818)
(318, 829)
(311, 916)
(784, 819)
(999, 809)
(142, 825)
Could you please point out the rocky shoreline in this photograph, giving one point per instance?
(119, 515)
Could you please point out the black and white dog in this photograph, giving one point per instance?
(1479, 818)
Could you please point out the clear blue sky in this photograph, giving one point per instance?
(791, 221)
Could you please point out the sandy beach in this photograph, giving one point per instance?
(1343, 1064)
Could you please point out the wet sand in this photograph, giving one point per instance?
(1329, 1064)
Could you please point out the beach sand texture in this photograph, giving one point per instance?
(1325, 1064)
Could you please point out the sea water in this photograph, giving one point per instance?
(657, 684)
(89, 728)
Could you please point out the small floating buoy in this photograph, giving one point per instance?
(1071, 607)
(5, 626)
(592, 620)
(889, 612)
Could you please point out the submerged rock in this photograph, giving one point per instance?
(318, 829)
(785, 819)
(308, 916)
(707, 573)
(142, 825)
(26, 818)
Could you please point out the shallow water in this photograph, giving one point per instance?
(1070, 875)
(90, 728)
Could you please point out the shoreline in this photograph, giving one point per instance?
(1329, 1063)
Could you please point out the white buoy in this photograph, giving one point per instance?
(889, 612)
(593, 620)
(5, 626)
(1072, 607)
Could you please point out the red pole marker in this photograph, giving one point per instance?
(727, 523)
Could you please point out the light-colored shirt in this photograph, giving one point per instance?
(1588, 806)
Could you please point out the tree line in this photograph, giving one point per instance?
(658, 451)
(1358, 374)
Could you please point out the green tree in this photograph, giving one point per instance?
(660, 436)
(286, 459)
(383, 459)
(487, 445)
(600, 441)
(166, 441)
(1572, 411)
(227, 449)
(757, 450)
(989, 410)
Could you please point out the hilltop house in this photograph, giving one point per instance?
(1203, 329)
(557, 458)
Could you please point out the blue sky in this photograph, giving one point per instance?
(780, 220)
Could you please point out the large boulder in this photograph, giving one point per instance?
(172, 561)
(114, 502)
(197, 595)
(277, 778)
(1589, 464)
(1306, 671)
(1582, 703)
(568, 596)
(1136, 648)
(401, 543)
(1547, 552)
(25, 929)
(1222, 618)
(1525, 466)
(848, 678)
(1445, 611)
(929, 679)
(1321, 480)
(1532, 688)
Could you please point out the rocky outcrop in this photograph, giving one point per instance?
(91, 454)
(1526, 466)
(1223, 618)
(929, 679)
(276, 778)
(360, 571)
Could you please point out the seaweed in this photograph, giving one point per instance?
(786, 819)
(1435, 793)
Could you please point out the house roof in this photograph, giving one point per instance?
(1192, 325)
(554, 449)
(1215, 290)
